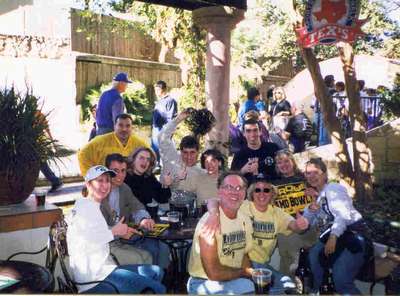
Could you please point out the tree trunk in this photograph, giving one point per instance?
(321, 92)
(361, 151)
(163, 53)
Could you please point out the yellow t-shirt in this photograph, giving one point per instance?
(266, 225)
(233, 243)
(95, 152)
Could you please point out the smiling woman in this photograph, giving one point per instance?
(88, 238)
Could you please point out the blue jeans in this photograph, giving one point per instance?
(154, 142)
(49, 174)
(344, 269)
(132, 279)
(323, 136)
(103, 130)
(158, 250)
(280, 282)
(233, 287)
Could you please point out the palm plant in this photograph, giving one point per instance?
(23, 144)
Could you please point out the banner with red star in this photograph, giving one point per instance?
(330, 21)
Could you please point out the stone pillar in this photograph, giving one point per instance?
(218, 21)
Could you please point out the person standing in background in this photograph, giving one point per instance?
(111, 104)
(164, 111)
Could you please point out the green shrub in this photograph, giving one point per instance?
(390, 100)
(136, 101)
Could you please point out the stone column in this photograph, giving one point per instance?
(218, 21)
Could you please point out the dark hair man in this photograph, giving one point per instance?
(257, 157)
(164, 111)
(120, 141)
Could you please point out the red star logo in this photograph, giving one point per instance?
(331, 11)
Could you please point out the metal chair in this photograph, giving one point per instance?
(58, 250)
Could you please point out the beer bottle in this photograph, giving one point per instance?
(303, 275)
(327, 286)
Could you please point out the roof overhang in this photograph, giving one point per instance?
(195, 4)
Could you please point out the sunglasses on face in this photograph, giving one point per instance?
(265, 190)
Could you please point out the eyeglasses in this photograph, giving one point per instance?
(265, 190)
(232, 188)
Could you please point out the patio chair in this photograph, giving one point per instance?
(59, 250)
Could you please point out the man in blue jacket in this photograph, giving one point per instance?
(111, 104)
(164, 111)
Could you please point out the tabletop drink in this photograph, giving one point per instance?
(40, 196)
(262, 280)
(174, 219)
(152, 208)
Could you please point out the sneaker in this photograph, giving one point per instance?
(55, 187)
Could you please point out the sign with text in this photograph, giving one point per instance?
(330, 21)
(291, 197)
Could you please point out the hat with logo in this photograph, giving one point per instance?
(122, 77)
(96, 171)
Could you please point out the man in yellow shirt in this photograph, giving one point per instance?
(219, 262)
(119, 141)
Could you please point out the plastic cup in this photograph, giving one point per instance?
(174, 219)
(262, 280)
(40, 196)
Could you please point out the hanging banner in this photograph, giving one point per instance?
(330, 21)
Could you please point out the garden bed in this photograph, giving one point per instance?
(383, 215)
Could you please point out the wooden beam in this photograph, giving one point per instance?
(195, 4)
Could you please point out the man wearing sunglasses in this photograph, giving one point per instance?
(256, 157)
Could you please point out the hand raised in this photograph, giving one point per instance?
(167, 179)
(301, 222)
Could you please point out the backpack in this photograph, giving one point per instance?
(303, 128)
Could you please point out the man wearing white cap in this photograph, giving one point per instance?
(111, 104)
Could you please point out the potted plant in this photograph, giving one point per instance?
(23, 145)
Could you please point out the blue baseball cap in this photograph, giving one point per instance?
(122, 77)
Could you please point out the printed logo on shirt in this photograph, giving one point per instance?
(269, 161)
(233, 241)
(263, 230)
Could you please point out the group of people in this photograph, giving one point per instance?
(281, 122)
(369, 102)
(252, 207)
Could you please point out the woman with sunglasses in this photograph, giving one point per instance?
(268, 221)
(333, 211)
(291, 183)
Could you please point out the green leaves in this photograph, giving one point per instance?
(22, 134)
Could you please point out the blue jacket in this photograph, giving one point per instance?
(110, 105)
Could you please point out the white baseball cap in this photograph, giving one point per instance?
(96, 171)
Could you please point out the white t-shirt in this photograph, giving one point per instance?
(87, 237)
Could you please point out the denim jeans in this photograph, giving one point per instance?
(344, 269)
(323, 136)
(154, 142)
(49, 174)
(158, 250)
(103, 130)
(131, 279)
(201, 286)
(280, 282)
